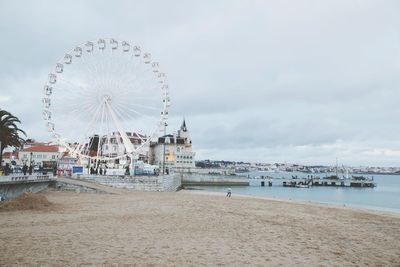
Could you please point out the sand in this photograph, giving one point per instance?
(191, 229)
(27, 201)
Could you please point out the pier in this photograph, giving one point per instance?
(360, 182)
(302, 182)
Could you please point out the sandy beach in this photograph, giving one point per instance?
(195, 229)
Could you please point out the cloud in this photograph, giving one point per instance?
(4, 98)
(301, 81)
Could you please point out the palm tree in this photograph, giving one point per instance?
(9, 132)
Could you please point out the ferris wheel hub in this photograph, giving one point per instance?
(107, 98)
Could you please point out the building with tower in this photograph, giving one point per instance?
(177, 149)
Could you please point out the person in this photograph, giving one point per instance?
(7, 169)
(101, 171)
(30, 169)
(105, 171)
(229, 192)
(127, 171)
(24, 169)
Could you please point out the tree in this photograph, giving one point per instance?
(9, 132)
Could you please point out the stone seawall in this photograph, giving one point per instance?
(14, 185)
(166, 183)
(172, 182)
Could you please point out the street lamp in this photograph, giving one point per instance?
(165, 140)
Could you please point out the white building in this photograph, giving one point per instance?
(38, 154)
(178, 150)
(113, 145)
(11, 158)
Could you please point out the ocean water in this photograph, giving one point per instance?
(384, 197)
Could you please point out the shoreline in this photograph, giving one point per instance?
(296, 201)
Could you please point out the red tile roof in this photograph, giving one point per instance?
(41, 149)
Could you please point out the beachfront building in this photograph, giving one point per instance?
(65, 165)
(39, 154)
(10, 158)
(178, 151)
(113, 145)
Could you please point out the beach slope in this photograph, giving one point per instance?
(189, 229)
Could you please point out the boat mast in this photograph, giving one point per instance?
(336, 168)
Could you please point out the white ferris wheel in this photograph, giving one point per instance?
(106, 100)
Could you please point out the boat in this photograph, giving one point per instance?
(302, 186)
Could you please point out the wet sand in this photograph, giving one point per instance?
(195, 229)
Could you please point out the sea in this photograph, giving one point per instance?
(384, 197)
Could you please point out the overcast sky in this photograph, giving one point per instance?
(263, 81)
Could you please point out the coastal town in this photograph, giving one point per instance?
(179, 156)
(199, 133)
(172, 152)
(243, 167)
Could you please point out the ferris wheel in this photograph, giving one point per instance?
(105, 100)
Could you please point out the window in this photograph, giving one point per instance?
(45, 156)
(53, 157)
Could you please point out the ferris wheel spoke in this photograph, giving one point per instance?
(127, 74)
(125, 108)
(139, 83)
(108, 143)
(120, 112)
(132, 117)
(137, 80)
(127, 143)
(73, 84)
(101, 131)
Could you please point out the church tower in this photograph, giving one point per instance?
(184, 133)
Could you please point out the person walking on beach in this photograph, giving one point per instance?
(229, 192)
(24, 169)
